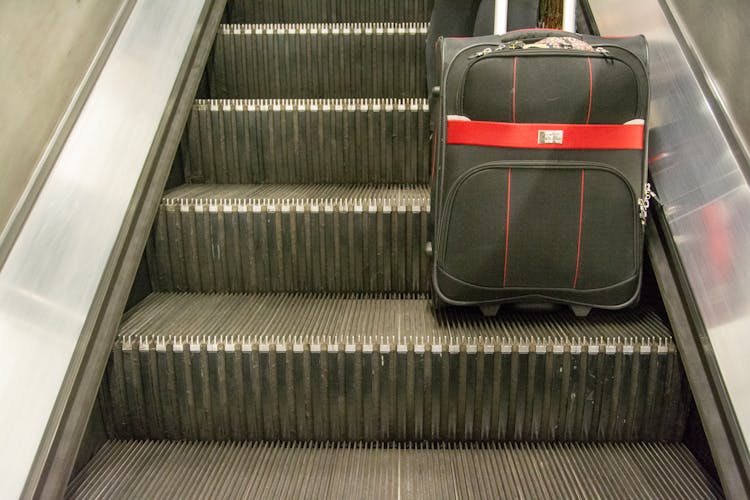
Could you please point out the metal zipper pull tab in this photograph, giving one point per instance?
(645, 202)
(489, 50)
(481, 53)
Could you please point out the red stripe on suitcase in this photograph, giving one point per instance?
(591, 90)
(515, 66)
(544, 135)
(580, 228)
(507, 232)
(434, 155)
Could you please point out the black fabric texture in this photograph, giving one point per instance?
(476, 231)
(550, 89)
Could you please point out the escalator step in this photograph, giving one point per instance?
(163, 469)
(350, 368)
(327, 11)
(307, 141)
(318, 61)
(267, 237)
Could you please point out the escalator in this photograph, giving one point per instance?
(282, 342)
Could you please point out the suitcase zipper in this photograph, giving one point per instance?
(645, 202)
(509, 48)
(511, 52)
(514, 53)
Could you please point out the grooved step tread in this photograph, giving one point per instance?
(257, 238)
(318, 60)
(307, 141)
(307, 195)
(353, 367)
(148, 469)
(319, 11)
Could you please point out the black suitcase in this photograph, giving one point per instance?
(539, 170)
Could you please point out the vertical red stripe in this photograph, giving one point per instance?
(580, 228)
(591, 89)
(507, 232)
(434, 154)
(515, 65)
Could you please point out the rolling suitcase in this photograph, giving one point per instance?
(539, 170)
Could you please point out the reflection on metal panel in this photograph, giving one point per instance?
(720, 38)
(49, 281)
(706, 198)
(47, 48)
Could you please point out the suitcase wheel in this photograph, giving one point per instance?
(489, 311)
(580, 311)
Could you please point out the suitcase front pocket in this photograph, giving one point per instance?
(540, 226)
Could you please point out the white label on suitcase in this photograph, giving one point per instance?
(550, 137)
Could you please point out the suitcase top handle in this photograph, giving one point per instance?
(536, 34)
(501, 16)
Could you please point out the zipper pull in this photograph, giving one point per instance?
(645, 202)
(608, 59)
(480, 53)
(490, 50)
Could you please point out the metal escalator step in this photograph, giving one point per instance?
(240, 238)
(184, 470)
(318, 60)
(307, 141)
(328, 11)
(351, 368)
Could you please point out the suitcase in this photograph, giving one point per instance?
(539, 170)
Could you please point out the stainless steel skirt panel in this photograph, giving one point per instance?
(699, 167)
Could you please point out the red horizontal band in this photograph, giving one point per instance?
(544, 135)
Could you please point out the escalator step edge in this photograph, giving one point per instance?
(284, 141)
(320, 11)
(360, 367)
(318, 60)
(291, 238)
(184, 470)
